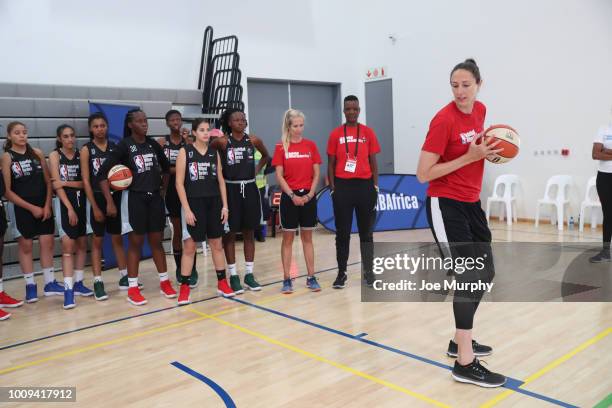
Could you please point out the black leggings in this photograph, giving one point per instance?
(357, 195)
(461, 230)
(604, 190)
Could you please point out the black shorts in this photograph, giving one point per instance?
(142, 212)
(111, 225)
(207, 211)
(77, 200)
(244, 206)
(3, 222)
(292, 216)
(25, 225)
(173, 203)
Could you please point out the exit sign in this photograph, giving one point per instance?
(378, 72)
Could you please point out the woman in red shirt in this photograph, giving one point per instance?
(452, 161)
(297, 163)
(353, 179)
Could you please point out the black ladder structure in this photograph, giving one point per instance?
(220, 74)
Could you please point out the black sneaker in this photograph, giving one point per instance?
(601, 257)
(340, 281)
(475, 373)
(479, 349)
(369, 279)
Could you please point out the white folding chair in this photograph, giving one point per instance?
(507, 197)
(559, 201)
(591, 202)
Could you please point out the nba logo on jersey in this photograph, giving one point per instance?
(140, 164)
(193, 171)
(17, 171)
(96, 163)
(63, 170)
(231, 159)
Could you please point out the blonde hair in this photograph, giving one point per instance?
(287, 118)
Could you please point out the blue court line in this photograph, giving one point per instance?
(512, 383)
(229, 403)
(25, 342)
(361, 335)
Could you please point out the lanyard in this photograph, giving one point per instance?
(346, 142)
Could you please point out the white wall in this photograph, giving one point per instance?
(547, 70)
(547, 65)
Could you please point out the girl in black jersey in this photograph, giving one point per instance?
(71, 217)
(172, 143)
(201, 189)
(93, 155)
(5, 299)
(28, 189)
(237, 151)
(142, 206)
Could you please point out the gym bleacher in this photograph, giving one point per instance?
(44, 107)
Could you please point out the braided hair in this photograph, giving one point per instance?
(127, 132)
(225, 118)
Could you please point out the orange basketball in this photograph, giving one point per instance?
(119, 177)
(509, 140)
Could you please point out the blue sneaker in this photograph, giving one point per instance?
(31, 293)
(54, 288)
(82, 290)
(69, 299)
(287, 286)
(312, 284)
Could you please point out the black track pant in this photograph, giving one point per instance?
(604, 190)
(357, 195)
(461, 231)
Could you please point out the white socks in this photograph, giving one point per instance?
(133, 282)
(1, 286)
(29, 278)
(48, 273)
(98, 278)
(78, 275)
(122, 273)
(248, 266)
(68, 282)
(231, 268)
(163, 276)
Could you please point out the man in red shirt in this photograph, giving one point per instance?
(353, 180)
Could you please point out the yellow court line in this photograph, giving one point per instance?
(494, 401)
(313, 356)
(95, 346)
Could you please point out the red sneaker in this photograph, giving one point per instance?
(4, 315)
(223, 289)
(166, 289)
(7, 301)
(135, 298)
(184, 298)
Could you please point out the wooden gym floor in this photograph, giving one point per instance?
(324, 349)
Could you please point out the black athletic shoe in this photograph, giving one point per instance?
(479, 349)
(475, 373)
(601, 257)
(369, 279)
(340, 281)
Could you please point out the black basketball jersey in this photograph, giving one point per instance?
(239, 159)
(97, 157)
(171, 150)
(201, 173)
(27, 177)
(2, 187)
(146, 161)
(69, 169)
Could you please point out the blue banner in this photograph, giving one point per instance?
(115, 114)
(401, 205)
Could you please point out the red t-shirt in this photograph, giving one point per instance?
(368, 145)
(450, 134)
(297, 163)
